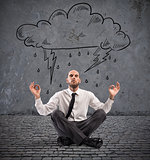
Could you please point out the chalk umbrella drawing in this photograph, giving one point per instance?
(78, 28)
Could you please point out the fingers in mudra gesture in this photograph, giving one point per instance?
(113, 90)
(35, 89)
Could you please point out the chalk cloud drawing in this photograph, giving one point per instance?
(78, 28)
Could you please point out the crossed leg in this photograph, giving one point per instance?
(77, 131)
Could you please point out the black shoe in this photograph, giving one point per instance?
(65, 141)
(93, 142)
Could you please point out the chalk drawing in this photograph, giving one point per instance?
(77, 28)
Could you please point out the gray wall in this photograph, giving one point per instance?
(42, 40)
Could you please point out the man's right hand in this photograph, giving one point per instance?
(35, 90)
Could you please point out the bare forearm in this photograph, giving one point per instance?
(37, 97)
(111, 97)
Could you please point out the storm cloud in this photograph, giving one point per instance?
(77, 28)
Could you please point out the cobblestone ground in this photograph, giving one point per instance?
(34, 138)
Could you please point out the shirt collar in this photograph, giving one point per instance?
(70, 92)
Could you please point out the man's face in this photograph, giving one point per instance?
(73, 79)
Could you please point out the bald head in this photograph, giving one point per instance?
(73, 72)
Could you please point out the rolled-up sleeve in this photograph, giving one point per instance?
(96, 104)
(45, 109)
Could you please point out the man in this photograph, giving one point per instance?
(69, 107)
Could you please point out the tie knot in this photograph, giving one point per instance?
(73, 94)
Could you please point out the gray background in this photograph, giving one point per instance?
(19, 64)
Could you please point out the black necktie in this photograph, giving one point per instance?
(71, 105)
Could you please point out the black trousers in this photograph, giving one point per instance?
(77, 130)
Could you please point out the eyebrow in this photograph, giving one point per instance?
(72, 74)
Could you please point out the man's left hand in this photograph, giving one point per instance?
(113, 90)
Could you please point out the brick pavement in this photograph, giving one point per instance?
(34, 138)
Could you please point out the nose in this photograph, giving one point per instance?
(73, 78)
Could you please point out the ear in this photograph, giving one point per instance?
(79, 80)
(67, 80)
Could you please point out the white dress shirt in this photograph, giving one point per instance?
(60, 100)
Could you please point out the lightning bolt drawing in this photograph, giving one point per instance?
(100, 57)
(51, 60)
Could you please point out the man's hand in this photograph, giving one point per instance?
(35, 89)
(113, 90)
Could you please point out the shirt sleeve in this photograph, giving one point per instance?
(45, 109)
(96, 104)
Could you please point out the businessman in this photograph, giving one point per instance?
(68, 109)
